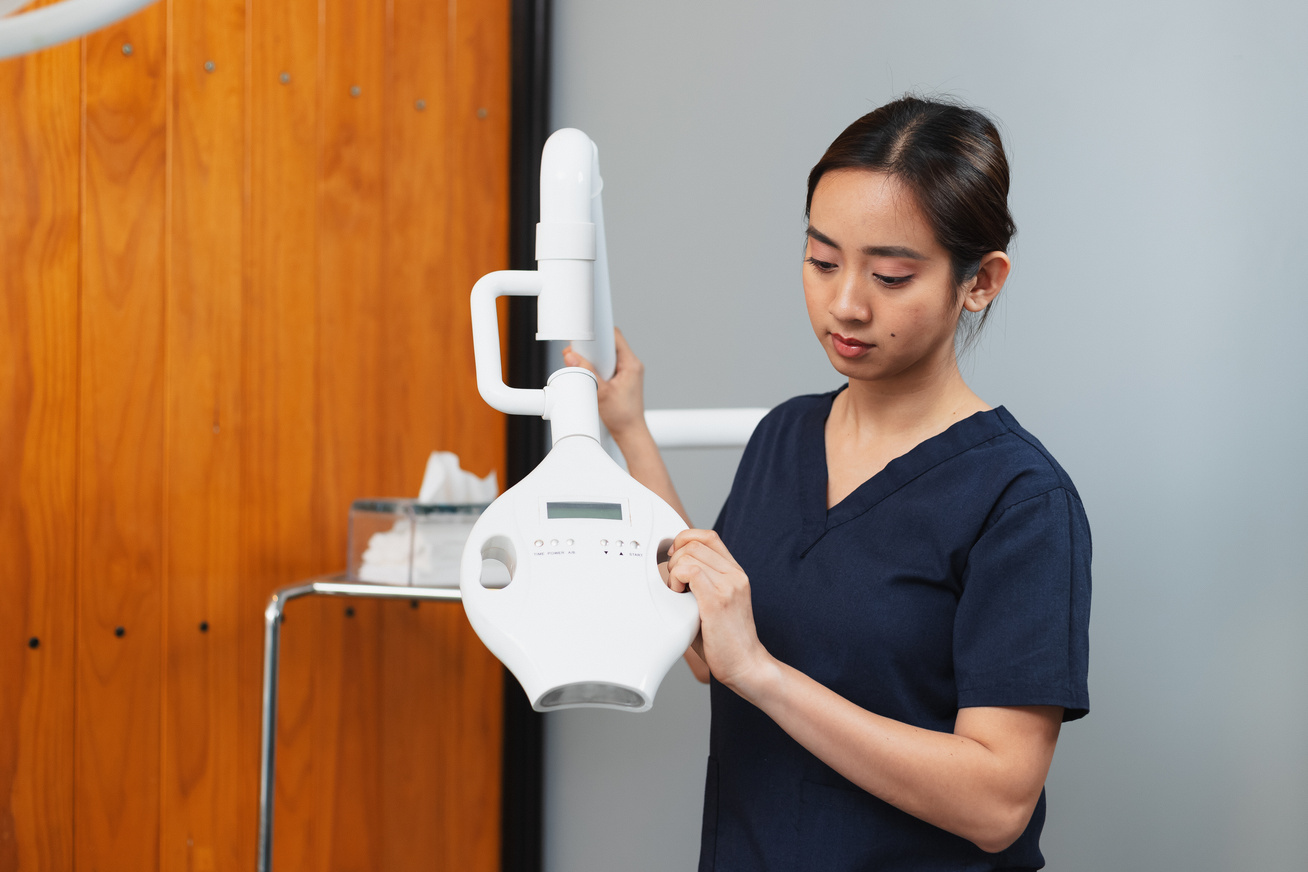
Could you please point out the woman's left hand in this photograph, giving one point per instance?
(728, 639)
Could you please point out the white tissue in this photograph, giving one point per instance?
(446, 482)
(425, 549)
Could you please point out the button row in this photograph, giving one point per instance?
(604, 543)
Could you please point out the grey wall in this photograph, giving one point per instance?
(1151, 336)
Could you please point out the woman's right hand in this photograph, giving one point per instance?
(622, 397)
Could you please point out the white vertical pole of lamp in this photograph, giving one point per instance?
(600, 351)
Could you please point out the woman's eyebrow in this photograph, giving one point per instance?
(870, 250)
(813, 233)
(892, 251)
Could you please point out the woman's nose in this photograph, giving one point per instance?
(850, 302)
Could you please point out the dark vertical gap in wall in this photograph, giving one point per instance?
(523, 747)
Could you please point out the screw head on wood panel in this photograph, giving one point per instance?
(127, 49)
(204, 626)
(349, 611)
(210, 66)
(355, 90)
(285, 78)
(482, 113)
(120, 632)
(413, 604)
(33, 642)
(420, 105)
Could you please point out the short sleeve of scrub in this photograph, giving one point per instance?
(1020, 632)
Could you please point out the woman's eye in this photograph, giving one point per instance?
(891, 281)
(821, 265)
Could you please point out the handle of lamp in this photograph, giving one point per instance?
(486, 341)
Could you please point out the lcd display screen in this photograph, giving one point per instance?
(601, 511)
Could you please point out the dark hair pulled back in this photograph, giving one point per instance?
(950, 157)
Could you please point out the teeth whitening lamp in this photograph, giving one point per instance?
(585, 618)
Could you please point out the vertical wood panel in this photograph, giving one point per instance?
(417, 217)
(280, 535)
(40, 165)
(425, 680)
(350, 420)
(440, 812)
(417, 225)
(202, 823)
(120, 545)
(478, 242)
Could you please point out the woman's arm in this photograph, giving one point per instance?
(980, 782)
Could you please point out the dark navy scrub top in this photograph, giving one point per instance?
(958, 576)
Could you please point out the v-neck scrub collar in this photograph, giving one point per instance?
(960, 437)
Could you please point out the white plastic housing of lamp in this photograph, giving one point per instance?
(41, 28)
(586, 618)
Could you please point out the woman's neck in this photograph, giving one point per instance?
(897, 412)
(872, 423)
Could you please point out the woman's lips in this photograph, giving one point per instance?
(849, 347)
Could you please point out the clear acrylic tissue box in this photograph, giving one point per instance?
(405, 542)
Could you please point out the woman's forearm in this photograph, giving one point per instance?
(645, 464)
(981, 782)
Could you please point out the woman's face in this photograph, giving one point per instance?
(878, 285)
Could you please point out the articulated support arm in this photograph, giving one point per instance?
(572, 284)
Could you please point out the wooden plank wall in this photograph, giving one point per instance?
(236, 245)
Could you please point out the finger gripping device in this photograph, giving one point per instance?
(560, 576)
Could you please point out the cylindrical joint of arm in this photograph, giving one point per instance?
(565, 237)
(571, 404)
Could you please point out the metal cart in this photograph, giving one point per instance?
(335, 585)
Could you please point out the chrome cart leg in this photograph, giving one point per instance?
(272, 631)
(272, 617)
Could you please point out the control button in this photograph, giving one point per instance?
(539, 543)
(569, 543)
(604, 543)
(617, 544)
(634, 544)
(554, 543)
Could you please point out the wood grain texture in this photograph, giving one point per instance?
(442, 803)
(478, 242)
(350, 417)
(40, 166)
(120, 511)
(235, 299)
(282, 539)
(439, 811)
(418, 174)
(202, 824)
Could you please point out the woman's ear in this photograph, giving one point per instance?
(989, 281)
